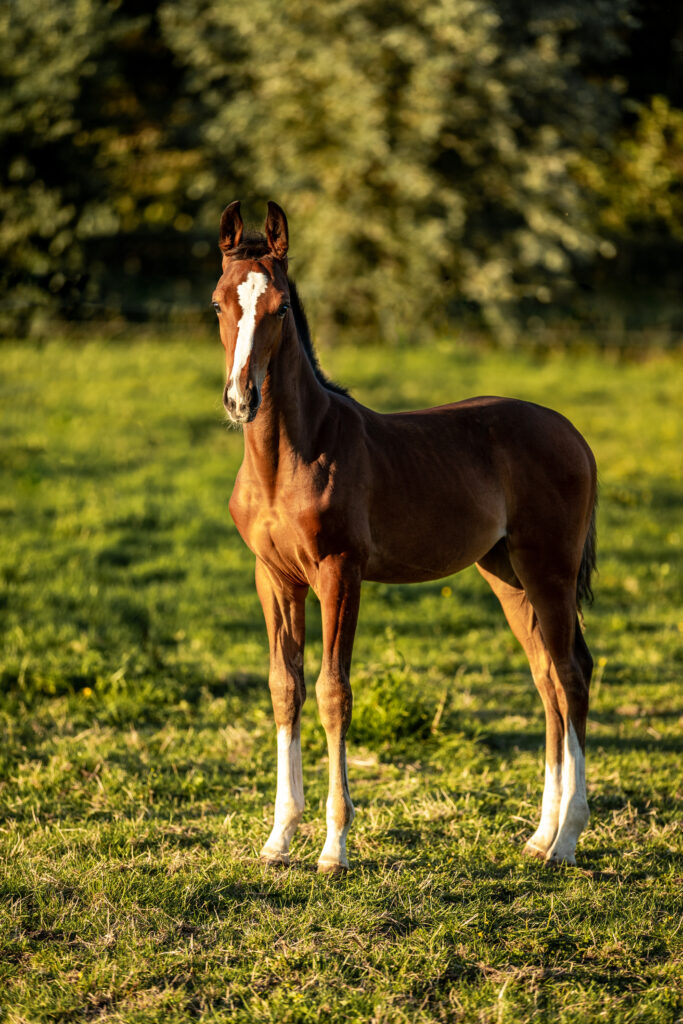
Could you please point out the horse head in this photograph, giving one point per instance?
(251, 300)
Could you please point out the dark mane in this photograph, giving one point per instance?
(303, 330)
(254, 246)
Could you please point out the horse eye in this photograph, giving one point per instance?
(216, 306)
(283, 310)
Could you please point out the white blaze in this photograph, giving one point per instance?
(248, 294)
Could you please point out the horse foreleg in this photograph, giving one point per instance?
(284, 611)
(339, 592)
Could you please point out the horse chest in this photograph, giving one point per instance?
(284, 532)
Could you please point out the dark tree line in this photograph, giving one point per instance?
(487, 158)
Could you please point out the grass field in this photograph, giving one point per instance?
(137, 756)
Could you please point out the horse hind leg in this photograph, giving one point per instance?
(574, 667)
(553, 598)
(521, 617)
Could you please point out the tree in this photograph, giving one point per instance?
(424, 151)
(434, 156)
(99, 158)
(46, 56)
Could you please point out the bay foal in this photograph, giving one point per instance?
(331, 493)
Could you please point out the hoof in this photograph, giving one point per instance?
(558, 860)
(536, 852)
(332, 867)
(275, 860)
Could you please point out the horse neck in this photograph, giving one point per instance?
(293, 406)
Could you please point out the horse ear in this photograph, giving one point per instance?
(277, 232)
(231, 227)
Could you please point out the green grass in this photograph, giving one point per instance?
(137, 757)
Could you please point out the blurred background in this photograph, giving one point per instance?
(513, 166)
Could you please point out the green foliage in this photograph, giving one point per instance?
(47, 53)
(435, 158)
(640, 182)
(425, 152)
(378, 717)
(98, 159)
(137, 750)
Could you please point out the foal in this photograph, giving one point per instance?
(331, 493)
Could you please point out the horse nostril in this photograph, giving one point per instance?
(228, 402)
(244, 406)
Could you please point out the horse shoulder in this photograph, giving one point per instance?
(239, 504)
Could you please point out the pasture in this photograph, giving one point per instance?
(137, 756)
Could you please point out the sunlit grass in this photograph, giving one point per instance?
(137, 756)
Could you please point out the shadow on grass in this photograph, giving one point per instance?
(518, 969)
(614, 717)
(530, 741)
(215, 895)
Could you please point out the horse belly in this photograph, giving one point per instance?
(421, 540)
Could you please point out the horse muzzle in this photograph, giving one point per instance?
(241, 408)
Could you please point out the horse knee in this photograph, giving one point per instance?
(333, 693)
(288, 693)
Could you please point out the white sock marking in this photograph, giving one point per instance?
(550, 809)
(248, 294)
(574, 812)
(289, 800)
(334, 850)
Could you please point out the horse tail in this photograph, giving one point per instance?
(589, 561)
